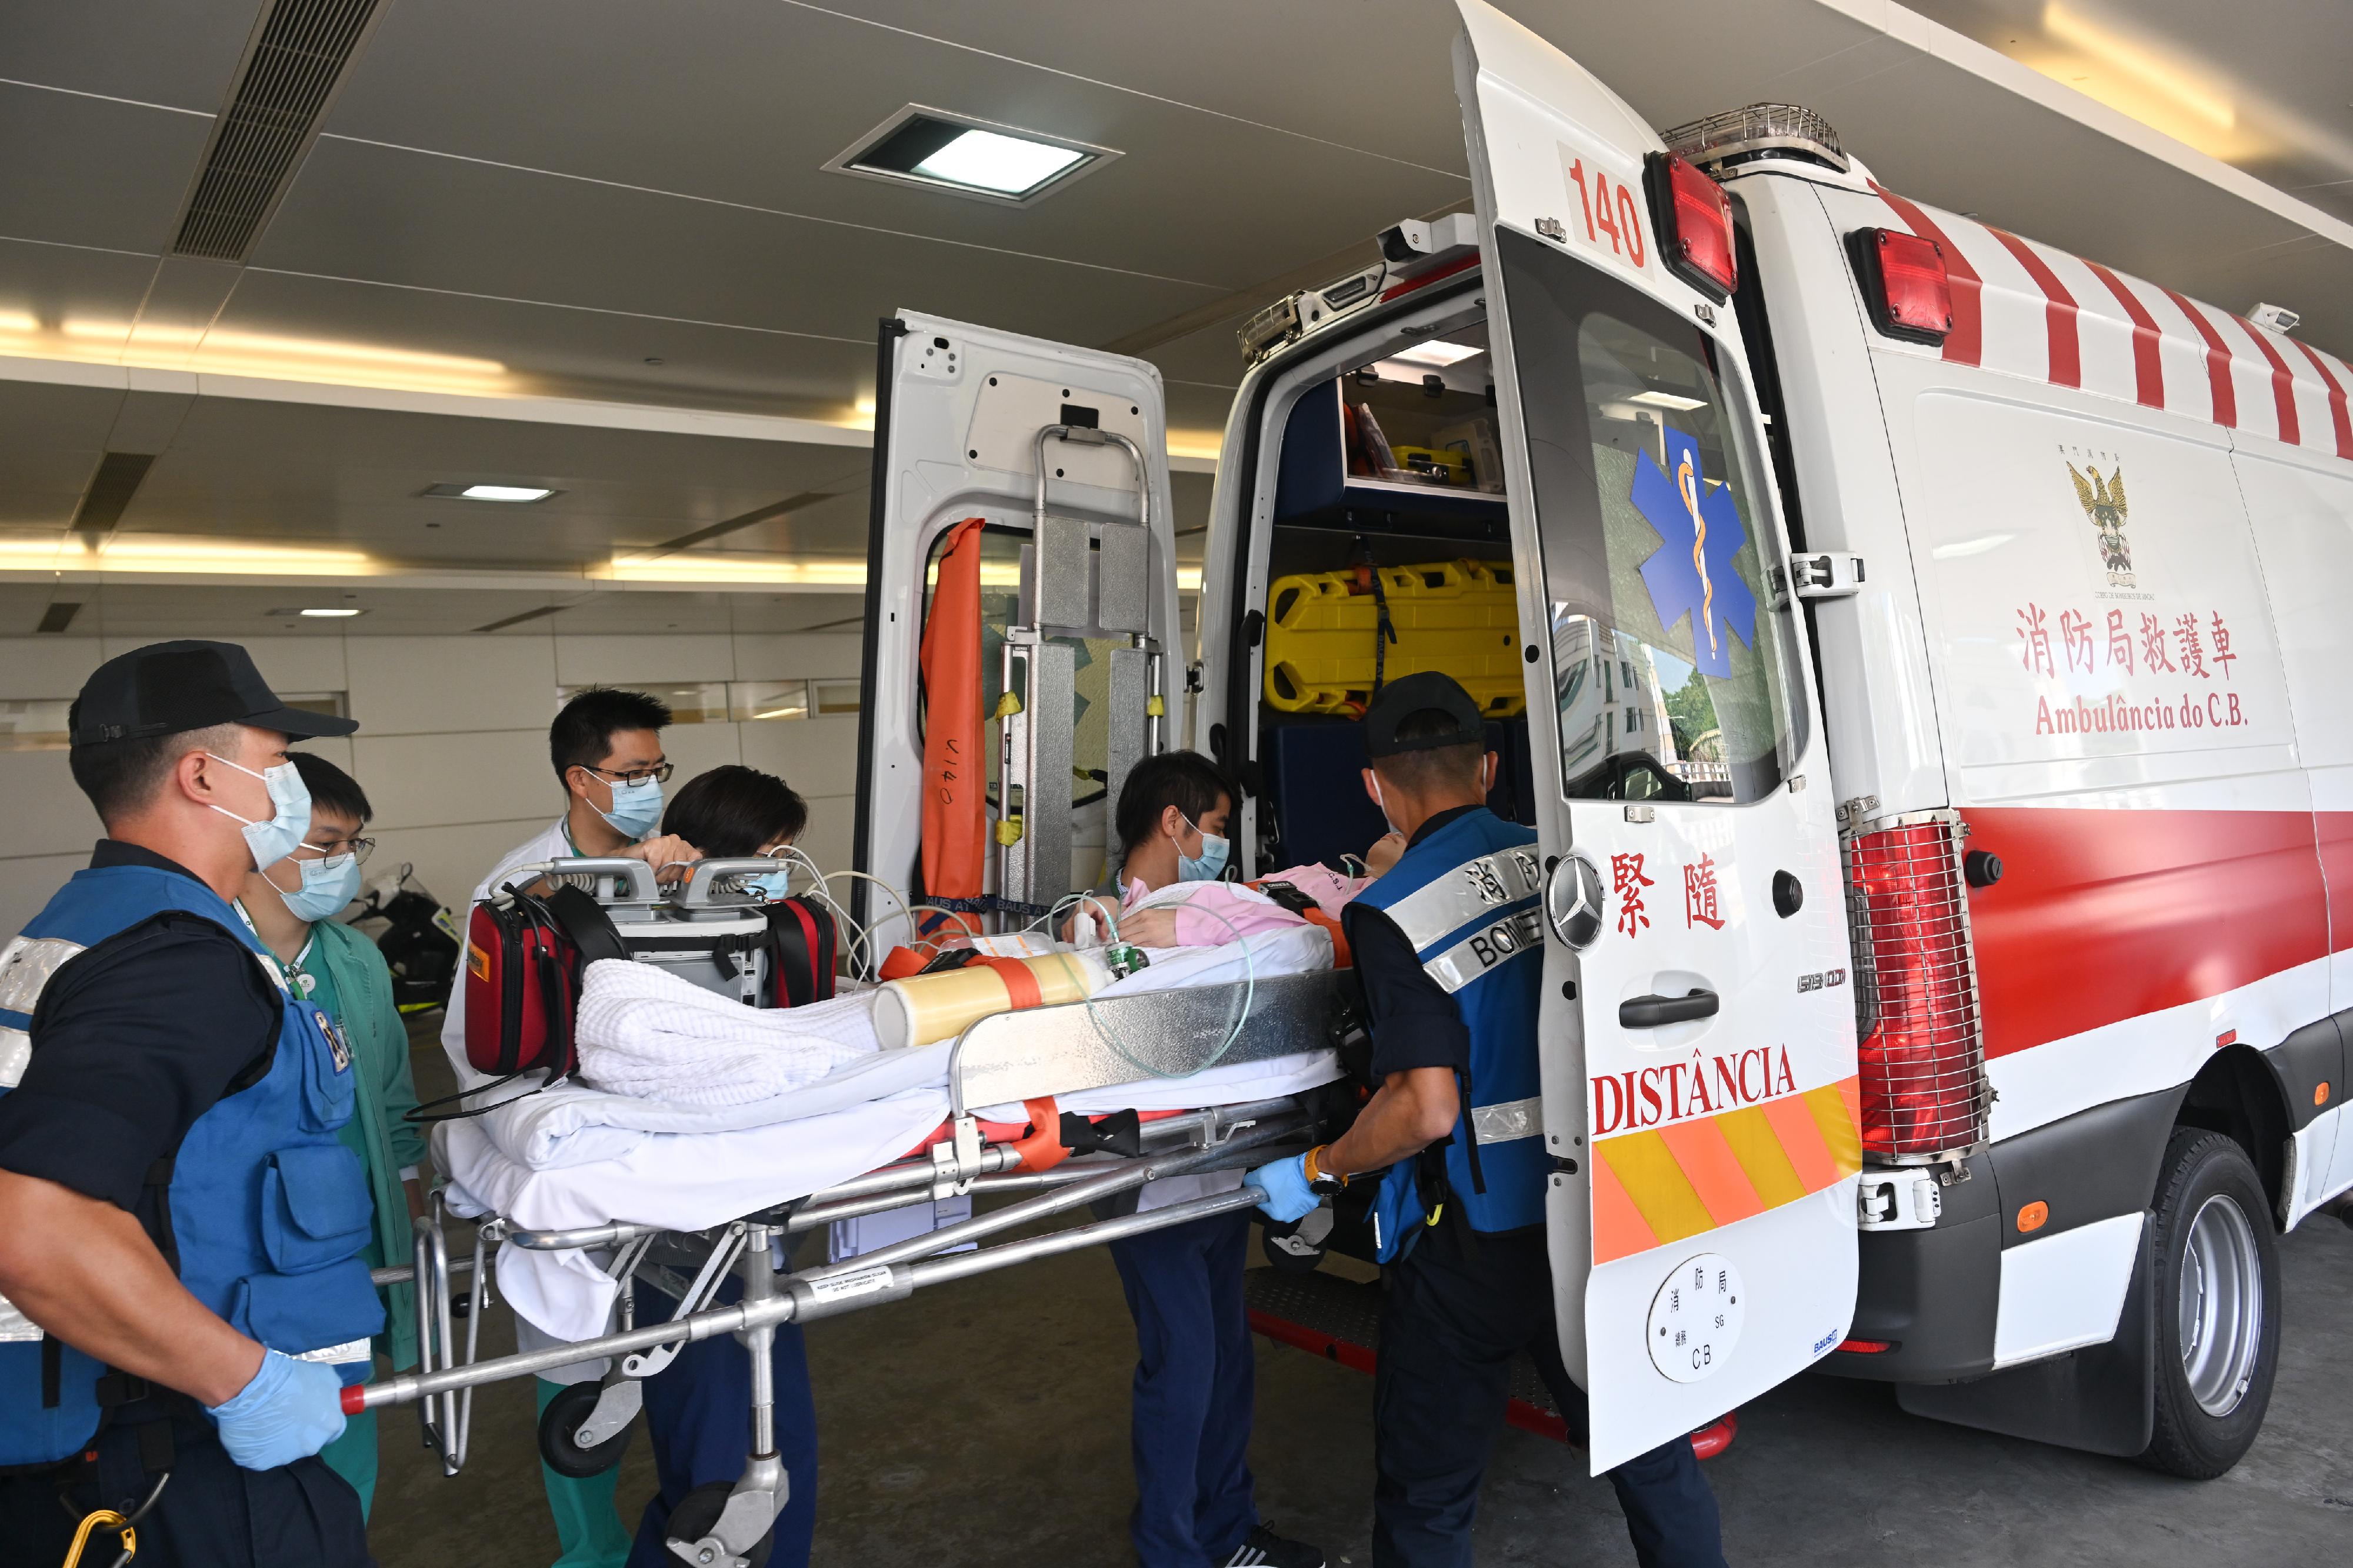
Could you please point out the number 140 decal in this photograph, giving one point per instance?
(1611, 210)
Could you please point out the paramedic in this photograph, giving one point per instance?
(1190, 1428)
(698, 1408)
(176, 1207)
(606, 747)
(292, 907)
(1464, 1295)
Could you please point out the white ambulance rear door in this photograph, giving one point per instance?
(1698, 1025)
(958, 411)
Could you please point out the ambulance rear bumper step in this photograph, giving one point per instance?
(1340, 1321)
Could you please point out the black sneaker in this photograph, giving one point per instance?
(1262, 1547)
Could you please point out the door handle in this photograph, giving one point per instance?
(1649, 1012)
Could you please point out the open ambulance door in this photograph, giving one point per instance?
(1052, 622)
(1698, 1028)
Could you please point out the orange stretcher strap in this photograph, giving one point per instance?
(1042, 1150)
(1020, 983)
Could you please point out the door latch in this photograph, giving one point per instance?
(1898, 1200)
(1830, 574)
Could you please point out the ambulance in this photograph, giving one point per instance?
(1919, 650)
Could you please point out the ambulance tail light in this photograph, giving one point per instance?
(1693, 219)
(1924, 1089)
(1903, 283)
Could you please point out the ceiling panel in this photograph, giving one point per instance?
(182, 54)
(1370, 74)
(50, 440)
(689, 100)
(292, 471)
(568, 353)
(83, 171)
(61, 284)
(242, 614)
(362, 211)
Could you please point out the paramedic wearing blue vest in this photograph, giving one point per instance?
(182, 1231)
(1454, 1136)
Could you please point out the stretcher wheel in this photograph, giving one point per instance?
(698, 1509)
(561, 1418)
(1299, 1247)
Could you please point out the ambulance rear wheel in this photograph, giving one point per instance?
(2218, 1306)
(699, 1510)
(558, 1425)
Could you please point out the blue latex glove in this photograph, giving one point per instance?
(1284, 1182)
(289, 1411)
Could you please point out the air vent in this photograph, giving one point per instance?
(260, 137)
(111, 490)
(59, 617)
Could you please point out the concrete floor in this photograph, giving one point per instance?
(985, 1423)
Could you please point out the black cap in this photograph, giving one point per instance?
(1416, 693)
(167, 687)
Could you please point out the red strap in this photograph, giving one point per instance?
(809, 938)
(1042, 1150)
(1020, 981)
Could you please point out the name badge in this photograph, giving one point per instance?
(338, 1047)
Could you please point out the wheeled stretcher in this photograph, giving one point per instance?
(1290, 1032)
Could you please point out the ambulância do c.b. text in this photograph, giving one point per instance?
(1920, 652)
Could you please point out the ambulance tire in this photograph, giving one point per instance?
(561, 1420)
(699, 1510)
(2218, 1265)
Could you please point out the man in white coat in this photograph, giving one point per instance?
(606, 747)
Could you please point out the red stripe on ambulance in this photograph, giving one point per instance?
(2337, 414)
(2103, 915)
(2148, 365)
(2057, 309)
(2283, 385)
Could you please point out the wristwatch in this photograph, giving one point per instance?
(1319, 1181)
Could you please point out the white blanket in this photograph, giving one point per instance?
(687, 1181)
(573, 1124)
(651, 1035)
(573, 1156)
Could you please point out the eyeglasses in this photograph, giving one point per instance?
(359, 849)
(659, 772)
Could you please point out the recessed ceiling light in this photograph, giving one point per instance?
(509, 493)
(337, 615)
(1437, 353)
(968, 157)
(1673, 400)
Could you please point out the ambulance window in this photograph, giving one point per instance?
(1671, 659)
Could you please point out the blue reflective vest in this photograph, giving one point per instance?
(268, 1211)
(1467, 897)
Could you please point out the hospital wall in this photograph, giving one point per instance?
(452, 746)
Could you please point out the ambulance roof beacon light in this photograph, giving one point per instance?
(1694, 218)
(1903, 283)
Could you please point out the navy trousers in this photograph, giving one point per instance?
(697, 1415)
(1194, 1390)
(214, 1514)
(1455, 1311)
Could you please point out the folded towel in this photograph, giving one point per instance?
(652, 1036)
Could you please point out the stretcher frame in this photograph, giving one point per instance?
(1030, 1056)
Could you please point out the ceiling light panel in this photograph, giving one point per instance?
(968, 157)
(522, 495)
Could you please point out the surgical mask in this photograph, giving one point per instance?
(637, 807)
(1205, 867)
(1382, 803)
(276, 837)
(328, 884)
